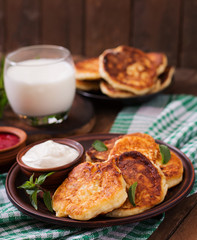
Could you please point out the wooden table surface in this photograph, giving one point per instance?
(180, 222)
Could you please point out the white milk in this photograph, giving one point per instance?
(40, 87)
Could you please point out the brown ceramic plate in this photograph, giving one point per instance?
(17, 196)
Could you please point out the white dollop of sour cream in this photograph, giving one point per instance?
(49, 154)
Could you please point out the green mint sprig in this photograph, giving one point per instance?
(131, 193)
(32, 188)
(3, 97)
(99, 146)
(165, 153)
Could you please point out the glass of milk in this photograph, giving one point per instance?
(40, 83)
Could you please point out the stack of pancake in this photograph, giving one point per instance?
(100, 185)
(124, 72)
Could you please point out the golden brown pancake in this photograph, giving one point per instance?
(87, 69)
(140, 142)
(151, 183)
(110, 91)
(160, 60)
(145, 144)
(88, 85)
(128, 69)
(161, 83)
(164, 80)
(90, 189)
(166, 77)
(156, 87)
(173, 170)
(129, 142)
(92, 155)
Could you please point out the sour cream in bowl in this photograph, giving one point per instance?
(53, 155)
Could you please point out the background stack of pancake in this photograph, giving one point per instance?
(124, 72)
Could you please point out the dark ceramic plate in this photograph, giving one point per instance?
(98, 95)
(17, 196)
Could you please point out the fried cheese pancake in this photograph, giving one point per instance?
(166, 77)
(124, 143)
(160, 60)
(145, 144)
(87, 85)
(87, 69)
(92, 155)
(173, 170)
(110, 91)
(161, 83)
(128, 69)
(151, 183)
(140, 142)
(156, 88)
(90, 189)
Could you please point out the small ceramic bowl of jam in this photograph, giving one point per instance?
(12, 140)
(58, 155)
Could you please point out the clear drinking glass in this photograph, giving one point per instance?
(40, 83)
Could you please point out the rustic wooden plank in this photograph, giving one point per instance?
(189, 35)
(188, 229)
(54, 22)
(107, 25)
(185, 82)
(174, 218)
(76, 26)
(2, 26)
(156, 26)
(62, 24)
(22, 23)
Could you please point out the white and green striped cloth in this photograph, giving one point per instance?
(171, 118)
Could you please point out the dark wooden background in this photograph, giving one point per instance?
(87, 27)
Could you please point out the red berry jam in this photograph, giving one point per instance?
(8, 140)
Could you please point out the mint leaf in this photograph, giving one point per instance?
(99, 146)
(30, 192)
(31, 179)
(3, 97)
(33, 188)
(42, 178)
(33, 199)
(131, 193)
(165, 153)
(1, 74)
(28, 185)
(47, 200)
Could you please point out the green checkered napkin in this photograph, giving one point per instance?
(170, 118)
